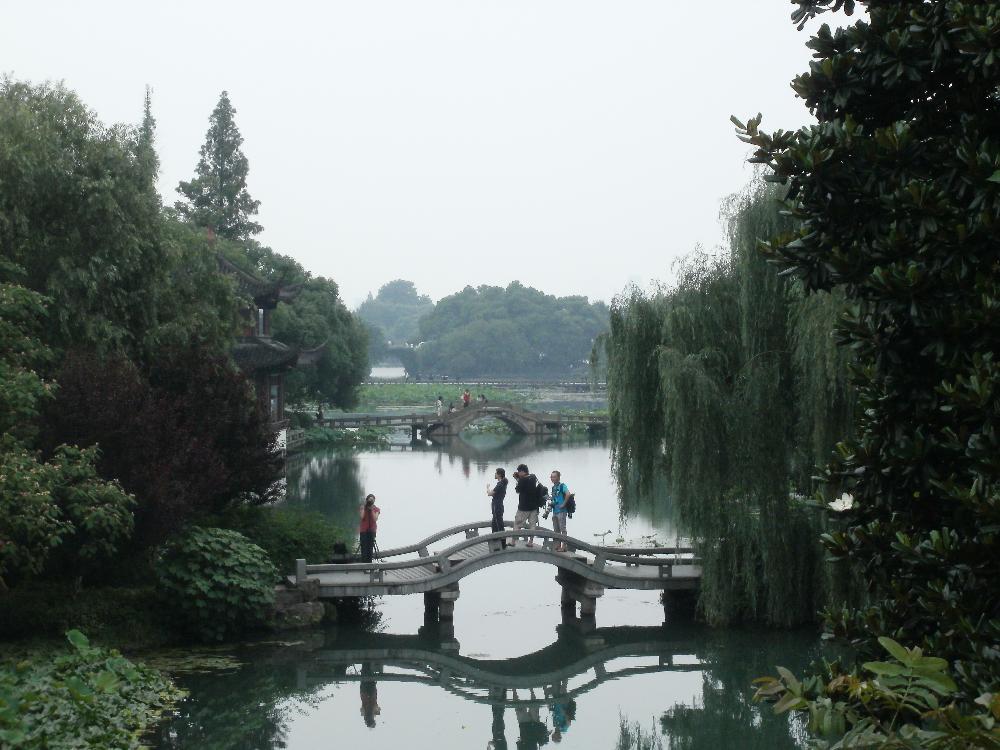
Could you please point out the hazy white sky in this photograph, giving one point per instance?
(575, 145)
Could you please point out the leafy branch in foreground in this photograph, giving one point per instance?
(908, 701)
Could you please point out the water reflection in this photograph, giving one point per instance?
(302, 695)
(450, 687)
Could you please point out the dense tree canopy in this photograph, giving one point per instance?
(53, 507)
(396, 311)
(489, 330)
(79, 215)
(895, 194)
(217, 196)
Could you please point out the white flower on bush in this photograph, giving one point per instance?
(842, 503)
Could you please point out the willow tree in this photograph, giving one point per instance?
(715, 385)
(895, 193)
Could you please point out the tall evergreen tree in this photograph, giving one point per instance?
(149, 162)
(217, 197)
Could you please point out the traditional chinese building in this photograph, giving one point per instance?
(261, 358)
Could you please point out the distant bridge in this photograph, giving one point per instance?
(583, 572)
(519, 419)
(565, 384)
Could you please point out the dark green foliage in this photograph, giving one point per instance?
(286, 534)
(78, 213)
(317, 317)
(396, 311)
(129, 618)
(713, 405)
(895, 194)
(218, 583)
(517, 331)
(90, 698)
(54, 507)
(908, 701)
(187, 439)
(217, 197)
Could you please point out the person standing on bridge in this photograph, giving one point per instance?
(369, 525)
(440, 406)
(527, 502)
(498, 493)
(559, 495)
(466, 398)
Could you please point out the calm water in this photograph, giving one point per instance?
(400, 684)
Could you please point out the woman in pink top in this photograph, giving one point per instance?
(369, 525)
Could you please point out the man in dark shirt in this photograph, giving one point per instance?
(527, 502)
(498, 493)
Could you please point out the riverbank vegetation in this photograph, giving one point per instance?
(89, 697)
(888, 229)
(124, 423)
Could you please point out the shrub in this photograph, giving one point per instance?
(218, 582)
(286, 534)
(91, 698)
(130, 618)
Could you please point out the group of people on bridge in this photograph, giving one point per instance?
(532, 497)
(466, 399)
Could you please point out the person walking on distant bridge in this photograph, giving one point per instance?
(466, 398)
(369, 525)
(527, 502)
(440, 406)
(559, 495)
(498, 493)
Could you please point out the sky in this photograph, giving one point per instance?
(576, 146)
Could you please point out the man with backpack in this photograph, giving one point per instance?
(561, 497)
(530, 497)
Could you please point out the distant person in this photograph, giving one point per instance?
(319, 413)
(451, 408)
(440, 406)
(498, 493)
(369, 525)
(466, 398)
(559, 496)
(369, 696)
(482, 399)
(527, 502)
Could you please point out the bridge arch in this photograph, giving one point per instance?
(519, 421)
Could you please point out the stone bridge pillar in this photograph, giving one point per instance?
(576, 588)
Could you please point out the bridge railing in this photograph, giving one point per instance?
(444, 561)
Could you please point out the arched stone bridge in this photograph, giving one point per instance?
(583, 572)
(518, 418)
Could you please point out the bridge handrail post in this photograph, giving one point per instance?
(300, 571)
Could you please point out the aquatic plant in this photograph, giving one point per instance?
(89, 698)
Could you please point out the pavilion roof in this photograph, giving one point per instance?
(266, 294)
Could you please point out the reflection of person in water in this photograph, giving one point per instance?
(533, 733)
(369, 696)
(562, 710)
(499, 741)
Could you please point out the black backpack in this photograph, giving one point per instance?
(543, 494)
(571, 504)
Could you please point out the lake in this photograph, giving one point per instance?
(512, 673)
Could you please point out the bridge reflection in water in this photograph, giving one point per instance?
(550, 679)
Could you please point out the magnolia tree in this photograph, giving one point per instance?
(895, 191)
